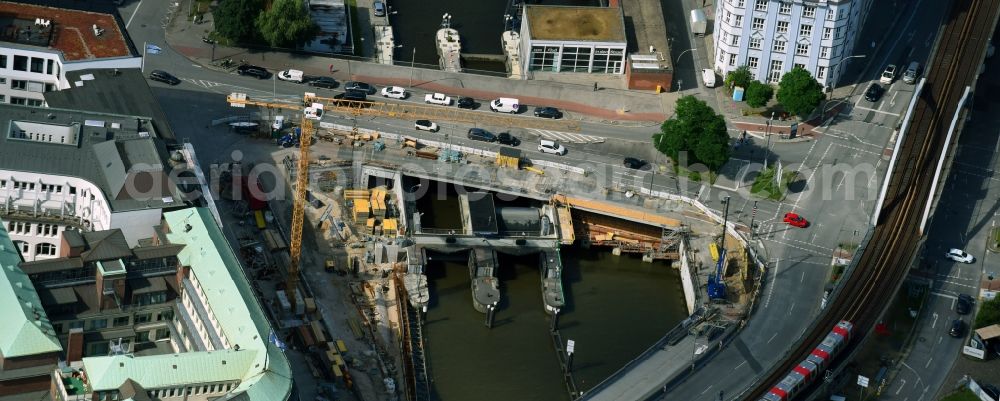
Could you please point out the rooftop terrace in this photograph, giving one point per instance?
(69, 31)
(594, 24)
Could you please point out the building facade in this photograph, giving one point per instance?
(772, 37)
(39, 44)
(552, 39)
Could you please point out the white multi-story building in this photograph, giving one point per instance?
(64, 169)
(773, 36)
(39, 44)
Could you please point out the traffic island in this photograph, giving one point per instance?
(993, 245)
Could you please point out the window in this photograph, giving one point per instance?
(830, 15)
(72, 190)
(21, 63)
(76, 324)
(38, 65)
(18, 100)
(824, 52)
(808, 11)
(142, 318)
(800, 65)
(3, 61)
(802, 49)
(36, 103)
(805, 30)
(162, 334)
(732, 59)
(725, 37)
(786, 8)
(752, 63)
(827, 33)
(775, 74)
(98, 324)
(21, 246)
(755, 43)
(738, 21)
(779, 46)
(120, 321)
(165, 315)
(19, 84)
(57, 327)
(142, 336)
(782, 27)
(741, 3)
(836, 35)
(761, 5)
(758, 24)
(3, 81)
(49, 67)
(722, 57)
(821, 72)
(45, 248)
(735, 41)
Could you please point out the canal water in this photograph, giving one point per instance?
(479, 23)
(617, 306)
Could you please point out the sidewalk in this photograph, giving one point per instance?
(609, 106)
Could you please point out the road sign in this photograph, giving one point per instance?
(570, 346)
(862, 381)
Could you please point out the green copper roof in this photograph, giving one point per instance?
(233, 303)
(25, 329)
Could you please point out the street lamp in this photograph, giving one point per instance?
(682, 54)
(834, 83)
(413, 60)
(767, 153)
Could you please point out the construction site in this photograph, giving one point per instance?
(339, 257)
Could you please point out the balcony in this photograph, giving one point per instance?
(71, 385)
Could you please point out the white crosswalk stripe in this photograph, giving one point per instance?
(203, 83)
(567, 137)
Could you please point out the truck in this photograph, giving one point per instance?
(699, 24)
(708, 76)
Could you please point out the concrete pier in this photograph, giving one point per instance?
(449, 48)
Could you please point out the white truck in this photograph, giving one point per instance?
(290, 76)
(699, 24)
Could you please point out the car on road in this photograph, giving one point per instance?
(378, 8)
(912, 73)
(794, 220)
(548, 112)
(634, 163)
(874, 92)
(957, 328)
(437, 98)
(550, 147)
(356, 96)
(467, 103)
(394, 92)
(964, 304)
(360, 86)
(426, 125)
(888, 75)
(505, 138)
(253, 71)
(479, 134)
(960, 256)
(323, 82)
(163, 76)
(290, 76)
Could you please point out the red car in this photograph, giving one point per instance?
(795, 220)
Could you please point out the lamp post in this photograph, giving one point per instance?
(767, 153)
(834, 83)
(413, 60)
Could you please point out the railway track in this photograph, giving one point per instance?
(896, 239)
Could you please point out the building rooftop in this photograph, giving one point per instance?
(26, 330)
(68, 30)
(123, 91)
(120, 154)
(589, 24)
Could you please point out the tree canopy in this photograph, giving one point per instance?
(741, 76)
(989, 313)
(233, 19)
(799, 92)
(286, 24)
(758, 94)
(697, 129)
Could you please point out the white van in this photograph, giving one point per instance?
(505, 105)
(708, 77)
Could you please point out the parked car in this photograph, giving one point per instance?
(290, 76)
(164, 77)
(912, 73)
(253, 71)
(394, 92)
(794, 220)
(359, 86)
(874, 92)
(425, 125)
(633, 163)
(438, 98)
(505, 105)
(550, 147)
(467, 103)
(357, 96)
(323, 82)
(957, 328)
(888, 75)
(548, 112)
(964, 304)
(505, 138)
(378, 8)
(479, 134)
(960, 256)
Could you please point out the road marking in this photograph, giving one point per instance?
(707, 388)
(568, 137)
(741, 364)
(790, 309)
(943, 295)
(803, 278)
(134, 12)
(901, 386)
(772, 338)
(770, 291)
(928, 364)
(934, 323)
(876, 111)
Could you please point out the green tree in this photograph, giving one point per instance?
(989, 313)
(741, 76)
(696, 129)
(232, 18)
(286, 24)
(758, 94)
(799, 92)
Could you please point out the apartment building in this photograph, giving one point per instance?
(63, 169)
(171, 318)
(773, 36)
(39, 44)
